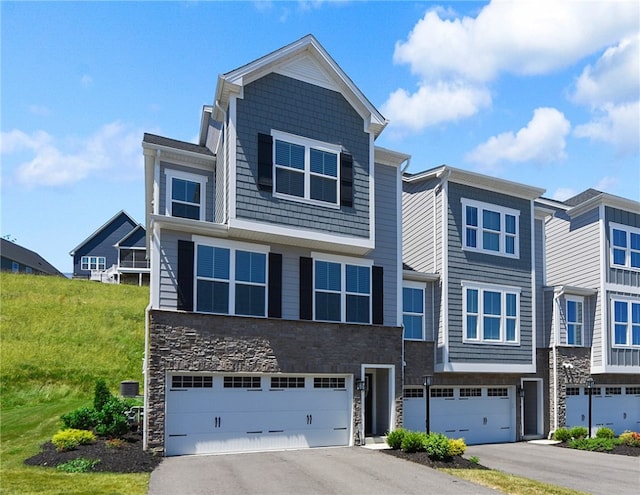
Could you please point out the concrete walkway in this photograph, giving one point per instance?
(589, 472)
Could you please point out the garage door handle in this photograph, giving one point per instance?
(217, 422)
(309, 419)
(484, 421)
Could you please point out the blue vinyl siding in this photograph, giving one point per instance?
(487, 268)
(277, 102)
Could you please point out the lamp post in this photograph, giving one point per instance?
(589, 383)
(427, 386)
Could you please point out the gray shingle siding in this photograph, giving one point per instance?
(618, 275)
(277, 102)
(420, 205)
(480, 267)
(210, 200)
(168, 268)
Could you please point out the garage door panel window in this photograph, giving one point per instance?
(251, 382)
(491, 314)
(191, 381)
(413, 392)
(470, 392)
(444, 393)
(633, 390)
(287, 382)
(626, 323)
(329, 382)
(231, 281)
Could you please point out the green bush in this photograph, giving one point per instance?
(630, 438)
(605, 432)
(83, 418)
(593, 444)
(111, 420)
(457, 446)
(475, 459)
(562, 435)
(80, 465)
(71, 438)
(437, 447)
(413, 441)
(578, 432)
(394, 438)
(101, 395)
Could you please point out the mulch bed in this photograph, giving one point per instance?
(129, 458)
(617, 449)
(456, 462)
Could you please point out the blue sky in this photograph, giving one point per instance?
(543, 93)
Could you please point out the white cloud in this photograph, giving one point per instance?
(86, 80)
(433, 104)
(607, 184)
(618, 125)
(542, 141)
(110, 153)
(564, 193)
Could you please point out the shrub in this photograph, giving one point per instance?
(605, 432)
(437, 447)
(111, 419)
(81, 419)
(413, 441)
(630, 438)
(562, 435)
(394, 438)
(475, 459)
(578, 432)
(80, 465)
(101, 395)
(593, 444)
(457, 446)
(71, 438)
(114, 443)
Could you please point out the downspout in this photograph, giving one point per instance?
(556, 309)
(224, 162)
(145, 375)
(399, 299)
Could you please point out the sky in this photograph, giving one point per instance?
(542, 93)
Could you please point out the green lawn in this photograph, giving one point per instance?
(58, 337)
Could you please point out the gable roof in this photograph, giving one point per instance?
(15, 252)
(582, 197)
(307, 60)
(101, 228)
(123, 242)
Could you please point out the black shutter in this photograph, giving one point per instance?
(185, 275)
(275, 285)
(306, 288)
(346, 179)
(377, 295)
(265, 162)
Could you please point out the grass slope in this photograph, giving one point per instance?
(58, 337)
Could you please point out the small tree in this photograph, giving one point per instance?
(101, 395)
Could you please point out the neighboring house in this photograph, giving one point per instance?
(468, 306)
(275, 266)
(115, 253)
(14, 258)
(592, 310)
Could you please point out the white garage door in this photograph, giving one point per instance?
(477, 414)
(238, 413)
(614, 406)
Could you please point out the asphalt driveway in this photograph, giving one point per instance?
(342, 470)
(589, 472)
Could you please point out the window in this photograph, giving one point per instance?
(490, 228)
(413, 312)
(241, 382)
(305, 169)
(342, 292)
(287, 382)
(328, 382)
(613, 391)
(497, 392)
(633, 390)
(491, 313)
(15, 267)
(446, 393)
(133, 258)
(573, 390)
(625, 246)
(470, 392)
(28, 269)
(574, 321)
(413, 393)
(191, 381)
(185, 195)
(93, 263)
(230, 281)
(626, 323)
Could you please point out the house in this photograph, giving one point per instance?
(275, 266)
(592, 310)
(469, 299)
(17, 259)
(115, 253)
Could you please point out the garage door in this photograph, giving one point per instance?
(478, 414)
(240, 413)
(614, 406)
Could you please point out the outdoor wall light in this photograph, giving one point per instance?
(521, 391)
(360, 385)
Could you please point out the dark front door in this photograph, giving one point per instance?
(368, 405)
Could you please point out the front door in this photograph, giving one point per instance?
(368, 405)
(531, 408)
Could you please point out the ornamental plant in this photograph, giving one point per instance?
(437, 447)
(457, 446)
(394, 438)
(413, 441)
(605, 432)
(630, 438)
(71, 438)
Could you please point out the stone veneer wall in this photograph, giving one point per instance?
(182, 342)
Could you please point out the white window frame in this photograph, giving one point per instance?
(503, 290)
(233, 247)
(627, 250)
(343, 262)
(171, 174)
(88, 263)
(629, 302)
(578, 300)
(307, 143)
(503, 211)
(421, 287)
